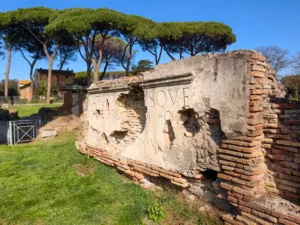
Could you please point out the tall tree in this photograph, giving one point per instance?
(81, 78)
(194, 38)
(154, 48)
(113, 50)
(35, 20)
(295, 63)
(1, 52)
(85, 56)
(86, 25)
(153, 45)
(31, 51)
(135, 29)
(42, 88)
(276, 56)
(65, 54)
(8, 33)
(291, 84)
(12, 87)
(142, 66)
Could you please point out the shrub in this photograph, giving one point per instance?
(155, 212)
(23, 101)
(34, 101)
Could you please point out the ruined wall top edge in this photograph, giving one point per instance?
(215, 80)
(170, 69)
(175, 115)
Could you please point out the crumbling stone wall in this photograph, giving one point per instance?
(214, 124)
(172, 117)
(260, 168)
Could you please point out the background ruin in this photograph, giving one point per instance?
(220, 117)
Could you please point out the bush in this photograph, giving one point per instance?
(155, 212)
(34, 101)
(23, 101)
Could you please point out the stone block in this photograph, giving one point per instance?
(48, 133)
(257, 74)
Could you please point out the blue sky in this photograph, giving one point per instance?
(255, 22)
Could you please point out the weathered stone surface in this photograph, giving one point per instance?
(176, 115)
(213, 113)
(48, 133)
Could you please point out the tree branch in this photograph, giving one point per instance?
(24, 56)
(159, 56)
(169, 54)
(39, 40)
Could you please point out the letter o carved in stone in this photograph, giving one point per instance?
(161, 98)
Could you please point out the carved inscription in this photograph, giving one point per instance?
(163, 105)
(185, 97)
(162, 108)
(168, 97)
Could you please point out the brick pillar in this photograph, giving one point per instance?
(242, 158)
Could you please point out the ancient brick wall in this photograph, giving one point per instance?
(281, 144)
(214, 124)
(261, 169)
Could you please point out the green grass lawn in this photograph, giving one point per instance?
(27, 110)
(50, 182)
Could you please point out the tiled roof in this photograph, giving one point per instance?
(24, 82)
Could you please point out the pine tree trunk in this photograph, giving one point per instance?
(32, 82)
(95, 70)
(129, 60)
(95, 75)
(88, 73)
(32, 89)
(49, 81)
(169, 54)
(7, 74)
(99, 61)
(157, 58)
(104, 71)
(97, 65)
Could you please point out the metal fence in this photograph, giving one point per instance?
(36, 99)
(19, 131)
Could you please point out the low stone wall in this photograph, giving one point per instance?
(216, 125)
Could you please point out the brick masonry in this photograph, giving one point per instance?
(258, 170)
(264, 164)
